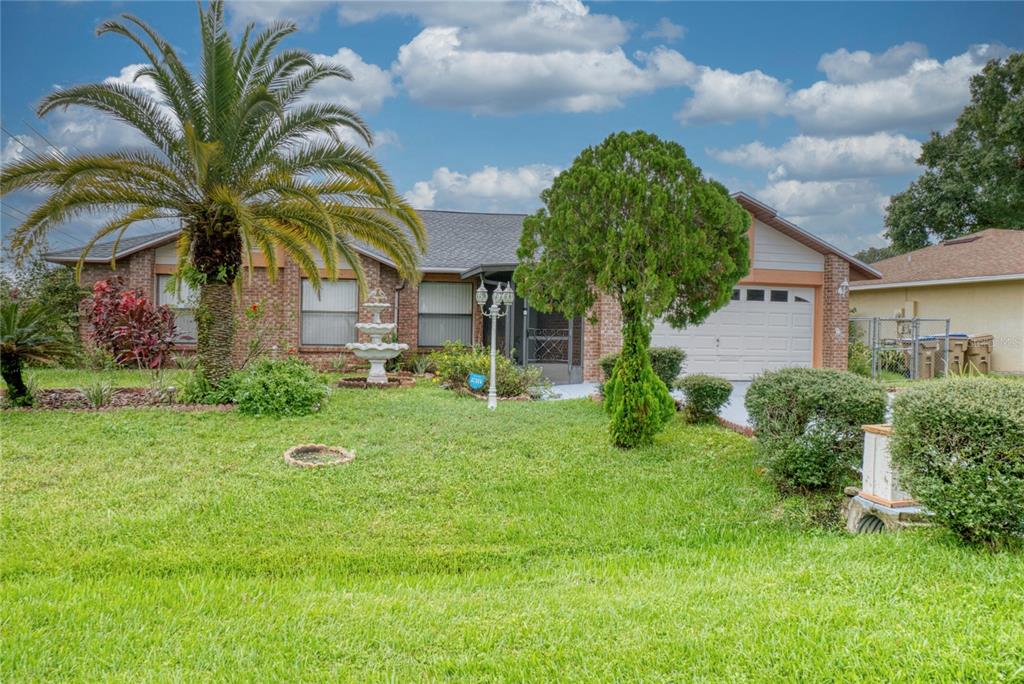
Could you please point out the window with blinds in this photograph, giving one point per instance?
(446, 313)
(182, 301)
(329, 319)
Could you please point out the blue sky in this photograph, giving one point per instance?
(816, 109)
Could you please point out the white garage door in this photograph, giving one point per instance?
(762, 328)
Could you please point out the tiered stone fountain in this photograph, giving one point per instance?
(375, 351)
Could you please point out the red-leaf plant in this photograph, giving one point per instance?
(129, 326)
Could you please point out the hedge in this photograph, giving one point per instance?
(959, 447)
(808, 423)
(705, 396)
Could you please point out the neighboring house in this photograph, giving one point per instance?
(976, 281)
(790, 310)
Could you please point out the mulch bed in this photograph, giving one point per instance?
(317, 455)
(395, 380)
(121, 397)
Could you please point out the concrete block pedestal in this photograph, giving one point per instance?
(880, 504)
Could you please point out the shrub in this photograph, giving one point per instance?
(959, 448)
(808, 423)
(198, 390)
(129, 326)
(666, 362)
(455, 361)
(27, 335)
(54, 286)
(279, 387)
(420, 364)
(637, 400)
(98, 393)
(705, 396)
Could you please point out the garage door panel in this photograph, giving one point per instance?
(730, 343)
(747, 337)
(801, 344)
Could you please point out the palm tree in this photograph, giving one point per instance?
(27, 333)
(240, 156)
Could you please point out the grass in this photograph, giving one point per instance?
(152, 545)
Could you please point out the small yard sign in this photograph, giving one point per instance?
(476, 381)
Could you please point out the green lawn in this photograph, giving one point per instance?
(153, 545)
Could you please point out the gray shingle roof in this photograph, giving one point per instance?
(103, 251)
(457, 241)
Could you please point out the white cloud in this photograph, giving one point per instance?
(369, 87)
(666, 30)
(546, 26)
(801, 199)
(505, 26)
(928, 94)
(721, 96)
(846, 213)
(438, 69)
(453, 13)
(843, 66)
(489, 189)
(20, 147)
(808, 157)
(381, 138)
(305, 13)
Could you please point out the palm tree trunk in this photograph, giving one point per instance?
(217, 255)
(215, 322)
(17, 391)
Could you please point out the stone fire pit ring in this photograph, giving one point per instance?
(317, 456)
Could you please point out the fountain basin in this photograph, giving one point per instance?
(377, 350)
(372, 329)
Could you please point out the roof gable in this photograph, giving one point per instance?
(767, 215)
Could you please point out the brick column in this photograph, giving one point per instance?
(601, 337)
(372, 268)
(835, 313)
(140, 274)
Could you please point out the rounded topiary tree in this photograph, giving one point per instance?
(633, 218)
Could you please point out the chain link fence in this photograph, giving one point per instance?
(911, 348)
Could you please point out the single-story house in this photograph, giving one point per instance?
(977, 282)
(791, 309)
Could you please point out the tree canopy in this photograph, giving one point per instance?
(974, 177)
(633, 217)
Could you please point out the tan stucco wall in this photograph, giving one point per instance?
(995, 309)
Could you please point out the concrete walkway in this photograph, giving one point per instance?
(734, 411)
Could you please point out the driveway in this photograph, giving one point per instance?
(734, 411)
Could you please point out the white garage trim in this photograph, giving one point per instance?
(764, 327)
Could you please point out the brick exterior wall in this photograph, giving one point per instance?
(601, 336)
(281, 299)
(835, 313)
(281, 322)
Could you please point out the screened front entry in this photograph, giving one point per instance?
(548, 340)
